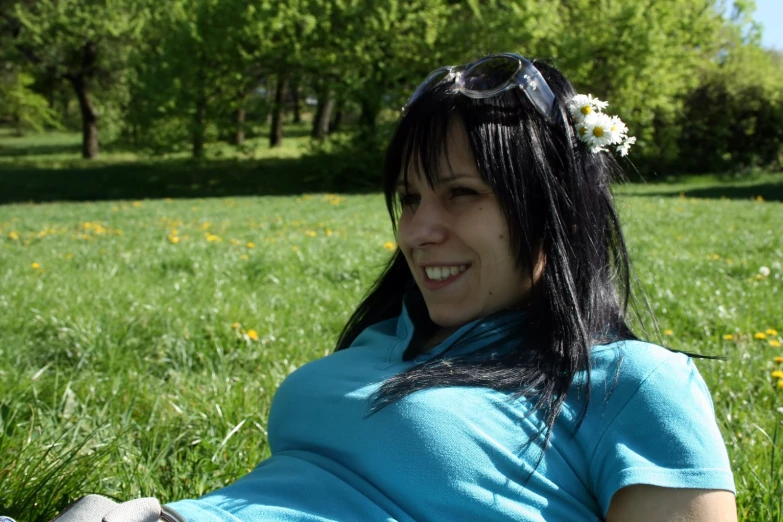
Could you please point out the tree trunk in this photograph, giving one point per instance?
(276, 132)
(323, 113)
(334, 125)
(240, 113)
(295, 102)
(199, 123)
(371, 107)
(90, 147)
(80, 82)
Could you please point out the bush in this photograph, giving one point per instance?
(733, 121)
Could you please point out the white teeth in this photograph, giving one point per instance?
(439, 273)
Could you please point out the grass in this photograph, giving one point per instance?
(141, 340)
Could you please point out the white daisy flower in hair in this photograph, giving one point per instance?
(598, 132)
(618, 131)
(622, 149)
(582, 105)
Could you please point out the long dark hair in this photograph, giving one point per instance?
(556, 198)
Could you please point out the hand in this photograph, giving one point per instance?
(95, 508)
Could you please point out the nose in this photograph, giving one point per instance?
(426, 225)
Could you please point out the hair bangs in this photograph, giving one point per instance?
(419, 145)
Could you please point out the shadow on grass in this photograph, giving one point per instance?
(183, 179)
(768, 190)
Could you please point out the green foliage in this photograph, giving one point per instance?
(26, 109)
(733, 120)
(640, 56)
(84, 43)
(175, 75)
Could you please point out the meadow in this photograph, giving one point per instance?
(141, 341)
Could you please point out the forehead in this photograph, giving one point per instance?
(440, 159)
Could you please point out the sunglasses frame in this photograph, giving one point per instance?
(525, 77)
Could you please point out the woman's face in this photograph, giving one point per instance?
(456, 240)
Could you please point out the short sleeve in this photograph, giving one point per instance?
(665, 434)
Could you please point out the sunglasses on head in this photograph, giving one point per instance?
(491, 76)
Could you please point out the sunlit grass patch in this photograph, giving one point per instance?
(141, 342)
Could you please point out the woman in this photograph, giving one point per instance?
(490, 373)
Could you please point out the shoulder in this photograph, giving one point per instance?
(620, 370)
(650, 420)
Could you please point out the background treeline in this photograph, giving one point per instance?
(688, 76)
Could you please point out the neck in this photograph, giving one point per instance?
(438, 337)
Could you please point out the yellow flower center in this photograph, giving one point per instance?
(582, 131)
(598, 132)
(586, 109)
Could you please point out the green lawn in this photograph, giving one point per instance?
(141, 341)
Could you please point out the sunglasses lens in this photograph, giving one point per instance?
(490, 74)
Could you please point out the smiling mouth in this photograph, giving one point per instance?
(443, 273)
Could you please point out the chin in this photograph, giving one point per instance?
(449, 318)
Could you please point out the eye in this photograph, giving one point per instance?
(457, 192)
(408, 200)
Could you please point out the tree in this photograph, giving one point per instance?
(85, 42)
(195, 66)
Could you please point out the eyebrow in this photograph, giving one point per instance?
(441, 180)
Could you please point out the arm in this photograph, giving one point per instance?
(643, 503)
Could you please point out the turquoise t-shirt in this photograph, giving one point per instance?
(460, 453)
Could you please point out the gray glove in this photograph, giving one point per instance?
(95, 508)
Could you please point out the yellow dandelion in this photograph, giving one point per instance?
(777, 374)
(728, 337)
(778, 360)
(389, 246)
(771, 331)
(669, 332)
(205, 225)
(244, 257)
(759, 335)
(168, 200)
(137, 204)
(212, 237)
(235, 242)
(310, 233)
(36, 266)
(250, 244)
(252, 335)
(13, 235)
(328, 231)
(295, 248)
(780, 383)
(774, 343)
(174, 239)
(759, 198)
(715, 257)
(68, 256)
(235, 326)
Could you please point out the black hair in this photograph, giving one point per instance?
(556, 198)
